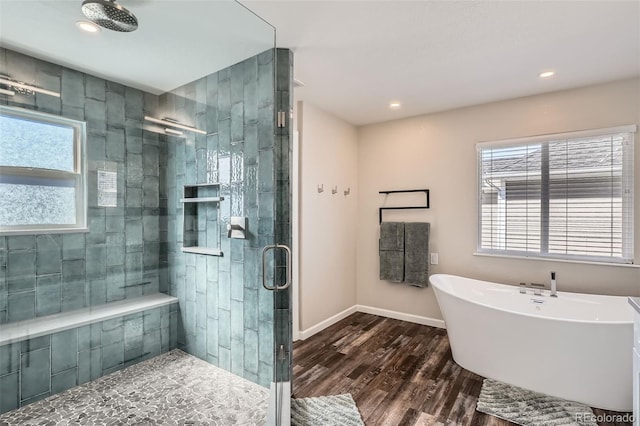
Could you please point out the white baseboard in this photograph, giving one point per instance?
(305, 334)
(417, 319)
(432, 322)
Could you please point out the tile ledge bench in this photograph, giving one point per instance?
(41, 326)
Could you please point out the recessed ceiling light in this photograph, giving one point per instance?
(87, 26)
(394, 105)
(547, 74)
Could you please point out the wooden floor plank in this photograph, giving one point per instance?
(398, 373)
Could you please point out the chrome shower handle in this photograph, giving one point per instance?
(287, 282)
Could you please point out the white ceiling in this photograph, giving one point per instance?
(176, 42)
(354, 56)
(357, 56)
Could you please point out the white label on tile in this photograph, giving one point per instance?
(107, 189)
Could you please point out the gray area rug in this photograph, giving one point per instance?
(529, 408)
(334, 410)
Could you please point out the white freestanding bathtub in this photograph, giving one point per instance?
(576, 346)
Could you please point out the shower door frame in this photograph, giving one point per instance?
(279, 281)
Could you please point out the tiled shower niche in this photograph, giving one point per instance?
(199, 203)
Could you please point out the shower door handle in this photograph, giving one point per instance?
(287, 282)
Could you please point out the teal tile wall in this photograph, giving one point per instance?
(34, 369)
(226, 316)
(125, 253)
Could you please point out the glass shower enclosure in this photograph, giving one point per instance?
(182, 189)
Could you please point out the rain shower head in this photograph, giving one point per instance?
(109, 14)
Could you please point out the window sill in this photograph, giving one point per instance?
(551, 259)
(5, 233)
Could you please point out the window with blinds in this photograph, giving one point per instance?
(566, 196)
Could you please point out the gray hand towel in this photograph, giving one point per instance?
(392, 266)
(392, 236)
(392, 251)
(416, 253)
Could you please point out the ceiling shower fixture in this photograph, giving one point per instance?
(172, 123)
(24, 89)
(110, 15)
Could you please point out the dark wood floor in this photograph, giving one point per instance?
(399, 373)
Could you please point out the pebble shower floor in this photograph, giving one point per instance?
(171, 389)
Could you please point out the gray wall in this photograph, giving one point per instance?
(443, 157)
(122, 255)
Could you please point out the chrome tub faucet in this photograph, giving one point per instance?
(554, 287)
(537, 289)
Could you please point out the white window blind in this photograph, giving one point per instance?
(566, 196)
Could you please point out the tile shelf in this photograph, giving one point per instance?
(201, 200)
(202, 250)
(193, 197)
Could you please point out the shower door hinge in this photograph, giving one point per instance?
(282, 119)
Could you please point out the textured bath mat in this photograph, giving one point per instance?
(529, 408)
(334, 410)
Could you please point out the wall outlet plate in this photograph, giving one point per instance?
(434, 258)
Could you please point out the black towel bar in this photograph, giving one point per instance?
(426, 206)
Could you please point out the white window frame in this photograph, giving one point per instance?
(79, 175)
(627, 188)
